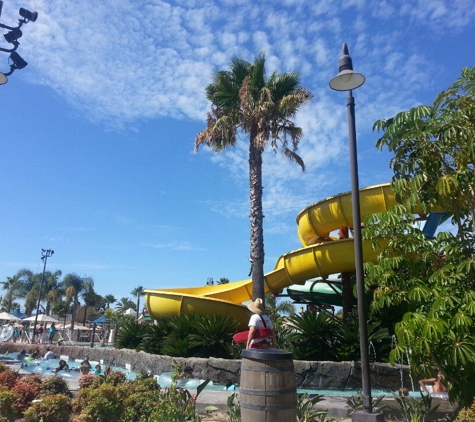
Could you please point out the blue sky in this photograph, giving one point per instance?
(96, 134)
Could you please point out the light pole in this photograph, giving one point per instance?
(12, 37)
(347, 80)
(45, 254)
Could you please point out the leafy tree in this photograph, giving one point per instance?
(12, 286)
(138, 292)
(278, 308)
(433, 165)
(75, 286)
(53, 289)
(244, 100)
(90, 297)
(123, 304)
(109, 299)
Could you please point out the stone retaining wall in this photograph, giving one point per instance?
(315, 375)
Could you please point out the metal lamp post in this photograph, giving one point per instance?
(347, 80)
(12, 37)
(45, 254)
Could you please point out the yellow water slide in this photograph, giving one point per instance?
(320, 256)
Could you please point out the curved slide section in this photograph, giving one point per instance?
(320, 257)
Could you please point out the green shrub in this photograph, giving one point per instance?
(356, 403)
(415, 410)
(8, 378)
(55, 408)
(28, 390)
(89, 381)
(139, 406)
(102, 404)
(153, 337)
(54, 385)
(467, 415)
(212, 335)
(130, 334)
(175, 405)
(8, 410)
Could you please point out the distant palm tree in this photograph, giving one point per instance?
(74, 286)
(223, 280)
(90, 297)
(276, 309)
(138, 292)
(12, 286)
(109, 300)
(53, 290)
(244, 100)
(123, 304)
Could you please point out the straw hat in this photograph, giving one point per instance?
(256, 307)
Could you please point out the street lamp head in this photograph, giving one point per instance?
(3, 79)
(13, 35)
(347, 79)
(18, 62)
(27, 15)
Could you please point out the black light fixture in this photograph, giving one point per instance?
(45, 254)
(347, 80)
(18, 62)
(12, 37)
(29, 16)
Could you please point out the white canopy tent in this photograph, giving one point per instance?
(5, 316)
(131, 312)
(42, 318)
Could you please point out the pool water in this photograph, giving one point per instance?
(46, 366)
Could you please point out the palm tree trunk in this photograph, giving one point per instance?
(257, 219)
(73, 313)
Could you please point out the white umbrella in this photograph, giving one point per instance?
(41, 318)
(77, 327)
(8, 317)
(130, 311)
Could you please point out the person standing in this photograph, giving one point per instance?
(16, 334)
(40, 334)
(51, 333)
(259, 320)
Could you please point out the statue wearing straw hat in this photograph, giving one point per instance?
(261, 330)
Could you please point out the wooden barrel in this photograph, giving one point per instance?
(268, 392)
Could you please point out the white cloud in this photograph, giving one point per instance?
(174, 246)
(122, 62)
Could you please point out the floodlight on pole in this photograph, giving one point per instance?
(16, 62)
(45, 254)
(347, 80)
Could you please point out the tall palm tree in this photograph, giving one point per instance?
(12, 286)
(123, 304)
(74, 286)
(53, 290)
(89, 295)
(244, 100)
(138, 292)
(109, 300)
